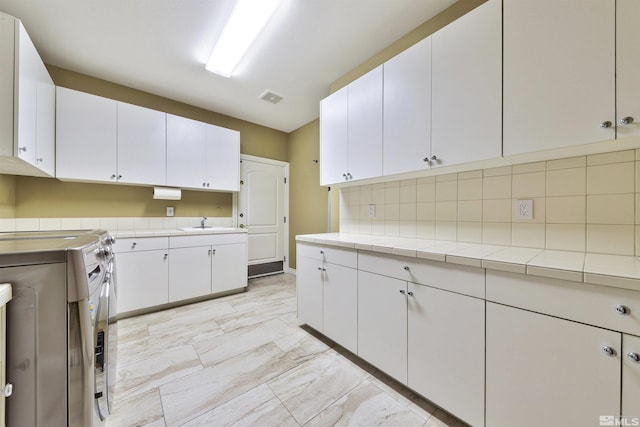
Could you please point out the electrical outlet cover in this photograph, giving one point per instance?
(170, 211)
(524, 209)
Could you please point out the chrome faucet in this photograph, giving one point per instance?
(204, 218)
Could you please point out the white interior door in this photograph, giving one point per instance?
(262, 210)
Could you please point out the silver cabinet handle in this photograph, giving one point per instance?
(426, 160)
(39, 160)
(23, 149)
(434, 158)
(402, 291)
(634, 356)
(349, 176)
(134, 244)
(321, 252)
(119, 176)
(208, 184)
(626, 120)
(204, 184)
(608, 351)
(622, 309)
(344, 175)
(7, 390)
(606, 125)
(209, 251)
(410, 293)
(166, 256)
(113, 176)
(406, 268)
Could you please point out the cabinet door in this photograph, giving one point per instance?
(446, 350)
(228, 267)
(542, 370)
(189, 273)
(559, 65)
(85, 136)
(407, 110)
(309, 291)
(27, 89)
(382, 323)
(223, 158)
(467, 87)
(364, 116)
(627, 66)
(142, 279)
(186, 152)
(340, 305)
(630, 376)
(141, 145)
(333, 138)
(46, 123)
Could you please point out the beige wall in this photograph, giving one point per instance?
(308, 201)
(7, 196)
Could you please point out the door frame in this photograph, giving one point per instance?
(234, 202)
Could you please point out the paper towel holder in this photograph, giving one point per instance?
(167, 193)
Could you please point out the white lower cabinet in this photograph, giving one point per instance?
(542, 370)
(630, 375)
(142, 278)
(446, 348)
(189, 272)
(382, 323)
(159, 270)
(328, 294)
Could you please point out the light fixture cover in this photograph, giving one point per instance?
(247, 20)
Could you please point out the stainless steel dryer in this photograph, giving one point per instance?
(57, 328)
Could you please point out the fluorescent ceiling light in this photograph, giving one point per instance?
(246, 21)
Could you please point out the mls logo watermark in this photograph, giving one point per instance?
(612, 420)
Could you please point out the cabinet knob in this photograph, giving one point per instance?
(410, 293)
(113, 176)
(321, 252)
(39, 160)
(209, 251)
(626, 120)
(208, 184)
(23, 149)
(608, 351)
(322, 269)
(133, 245)
(434, 158)
(344, 175)
(166, 256)
(349, 176)
(622, 309)
(204, 184)
(634, 356)
(406, 268)
(402, 291)
(426, 160)
(606, 125)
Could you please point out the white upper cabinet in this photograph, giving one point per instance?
(141, 145)
(27, 94)
(202, 156)
(334, 136)
(559, 66)
(86, 137)
(351, 131)
(223, 158)
(466, 108)
(365, 126)
(407, 110)
(186, 152)
(627, 67)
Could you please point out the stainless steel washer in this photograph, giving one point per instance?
(57, 328)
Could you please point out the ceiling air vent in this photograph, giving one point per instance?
(271, 97)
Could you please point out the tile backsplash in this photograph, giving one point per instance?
(110, 223)
(588, 203)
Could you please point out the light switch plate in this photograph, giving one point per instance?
(170, 211)
(372, 211)
(524, 209)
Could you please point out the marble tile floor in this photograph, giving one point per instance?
(245, 360)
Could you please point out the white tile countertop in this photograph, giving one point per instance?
(163, 232)
(609, 270)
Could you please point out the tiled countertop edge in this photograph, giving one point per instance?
(609, 270)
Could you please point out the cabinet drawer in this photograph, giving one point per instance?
(206, 240)
(330, 254)
(140, 244)
(456, 278)
(581, 302)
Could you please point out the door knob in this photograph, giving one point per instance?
(241, 225)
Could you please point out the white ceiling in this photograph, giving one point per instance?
(161, 46)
